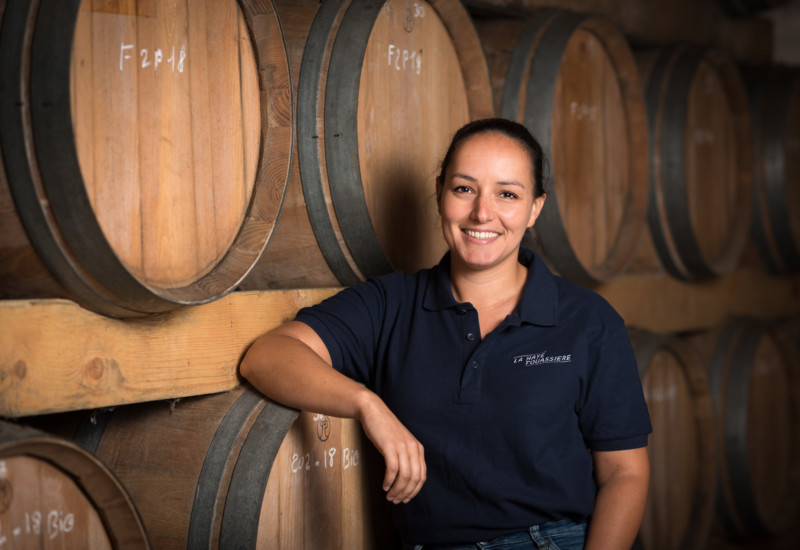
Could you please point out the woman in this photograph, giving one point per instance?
(505, 401)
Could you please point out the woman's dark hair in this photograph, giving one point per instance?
(509, 128)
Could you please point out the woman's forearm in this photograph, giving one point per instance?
(291, 365)
(286, 368)
(620, 503)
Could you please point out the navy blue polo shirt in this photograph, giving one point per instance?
(507, 422)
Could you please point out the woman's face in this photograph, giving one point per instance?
(486, 200)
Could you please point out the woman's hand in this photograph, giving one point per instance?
(404, 455)
(291, 365)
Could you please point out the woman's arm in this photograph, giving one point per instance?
(622, 480)
(291, 365)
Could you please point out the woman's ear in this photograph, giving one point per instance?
(538, 204)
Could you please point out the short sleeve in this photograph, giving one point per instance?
(349, 324)
(614, 414)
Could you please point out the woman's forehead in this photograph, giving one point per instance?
(488, 148)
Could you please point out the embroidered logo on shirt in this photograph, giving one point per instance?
(541, 359)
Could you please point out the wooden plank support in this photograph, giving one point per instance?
(56, 356)
(661, 303)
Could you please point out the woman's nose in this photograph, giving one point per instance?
(482, 208)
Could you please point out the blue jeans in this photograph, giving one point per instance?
(555, 535)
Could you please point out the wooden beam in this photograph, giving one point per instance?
(56, 356)
(661, 303)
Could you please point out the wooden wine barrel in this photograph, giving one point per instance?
(234, 470)
(146, 147)
(755, 383)
(701, 178)
(748, 8)
(381, 88)
(53, 494)
(775, 110)
(682, 447)
(572, 80)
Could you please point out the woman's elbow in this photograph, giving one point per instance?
(252, 362)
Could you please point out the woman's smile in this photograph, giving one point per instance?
(482, 235)
(486, 201)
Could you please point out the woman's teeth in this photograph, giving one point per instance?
(481, 234)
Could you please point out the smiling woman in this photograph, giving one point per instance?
(488, 197)
(438, 366)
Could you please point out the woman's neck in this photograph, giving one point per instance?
(493, 292)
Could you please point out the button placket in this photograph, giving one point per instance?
(476, 351)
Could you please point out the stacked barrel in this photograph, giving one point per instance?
(161, 155)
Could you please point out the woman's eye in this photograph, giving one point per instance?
(508, 195)
(462, 189)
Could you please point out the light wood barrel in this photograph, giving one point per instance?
(53, 494)
(682, 448)
(755, 381)
(701, 179)
(234, 470)
(381, 88)
(146, 147)
(775, 110)
(572, 80)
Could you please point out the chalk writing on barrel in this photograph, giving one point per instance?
(703, 137)
(580, 111)
(402, 59)
(350, 458)
(51, 525)
(153, 59)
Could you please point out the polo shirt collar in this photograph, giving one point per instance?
(539, 303)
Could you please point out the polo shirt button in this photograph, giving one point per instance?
(470, 336)
(474, 364)
(462, 310)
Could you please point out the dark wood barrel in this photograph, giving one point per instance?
(701, 160)
(54, 494)
(682, 447)
(775, 110)
(572, 80)
(234, 470)
(381, 88)
(754, 374)
(145, 145)
(748, 8)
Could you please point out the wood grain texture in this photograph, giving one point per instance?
(572, 80)
(411, 100)
(57, 356)
(656, 301)
(148, 155)
(57, 495)
(361, 199)
(166, 109)
(326, 483)
(315, 481)
(754, 374)
(701, 183)
(48, 506)
(682, 447)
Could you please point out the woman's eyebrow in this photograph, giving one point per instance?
(511, 182)
(461, 175)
